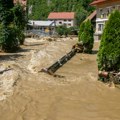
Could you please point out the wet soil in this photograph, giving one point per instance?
(76, 95)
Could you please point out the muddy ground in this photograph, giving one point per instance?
(28, 94)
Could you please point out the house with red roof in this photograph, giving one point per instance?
(63, 18)
(103, 9)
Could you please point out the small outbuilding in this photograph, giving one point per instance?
(41, 26)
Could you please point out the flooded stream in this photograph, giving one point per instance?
(27, 94)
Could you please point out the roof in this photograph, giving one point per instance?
(61, 15)
(41, 23)
(95, 2)
(91, 16)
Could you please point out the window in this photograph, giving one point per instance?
(108, 13)
(69, 24)
(118, 7)
(110, 9)
(101, 12)
(60, 22)
(101, 16)
(100, 27)
(113, 8)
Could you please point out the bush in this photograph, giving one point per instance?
(86, 36)
(9, 39)
(63, 30)
(73, 30)
(109, 51)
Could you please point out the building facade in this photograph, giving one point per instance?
(41, 27)
(63, 18)
(104, 9)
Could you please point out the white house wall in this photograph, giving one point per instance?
(103, 12)
(68, 23)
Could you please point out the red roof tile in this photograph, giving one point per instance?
(61, 15)
(97, 2)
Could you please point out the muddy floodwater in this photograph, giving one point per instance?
(28, 94)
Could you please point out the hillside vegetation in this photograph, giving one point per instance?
(40, 9)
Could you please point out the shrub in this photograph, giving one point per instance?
(109, 51)
(86, 36)
(63, 30)
(73, 30)
(9, 39)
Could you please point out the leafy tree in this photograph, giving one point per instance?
(11, 25)
(86, 36)
(7, 38)
(41, 10)
(20, 21)
(109, 51)
(81, 15)
(5, 13)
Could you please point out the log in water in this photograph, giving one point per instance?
(53, 68)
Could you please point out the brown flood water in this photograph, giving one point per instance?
(77, 95)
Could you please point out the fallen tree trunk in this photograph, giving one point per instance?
(53, 68)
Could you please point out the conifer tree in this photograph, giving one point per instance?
(109, 51)
(81, 30)
(86, 36)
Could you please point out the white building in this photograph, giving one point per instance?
(43, 26)
(103, 8)
(63, 18)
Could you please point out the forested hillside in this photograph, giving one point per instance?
(39, 9)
